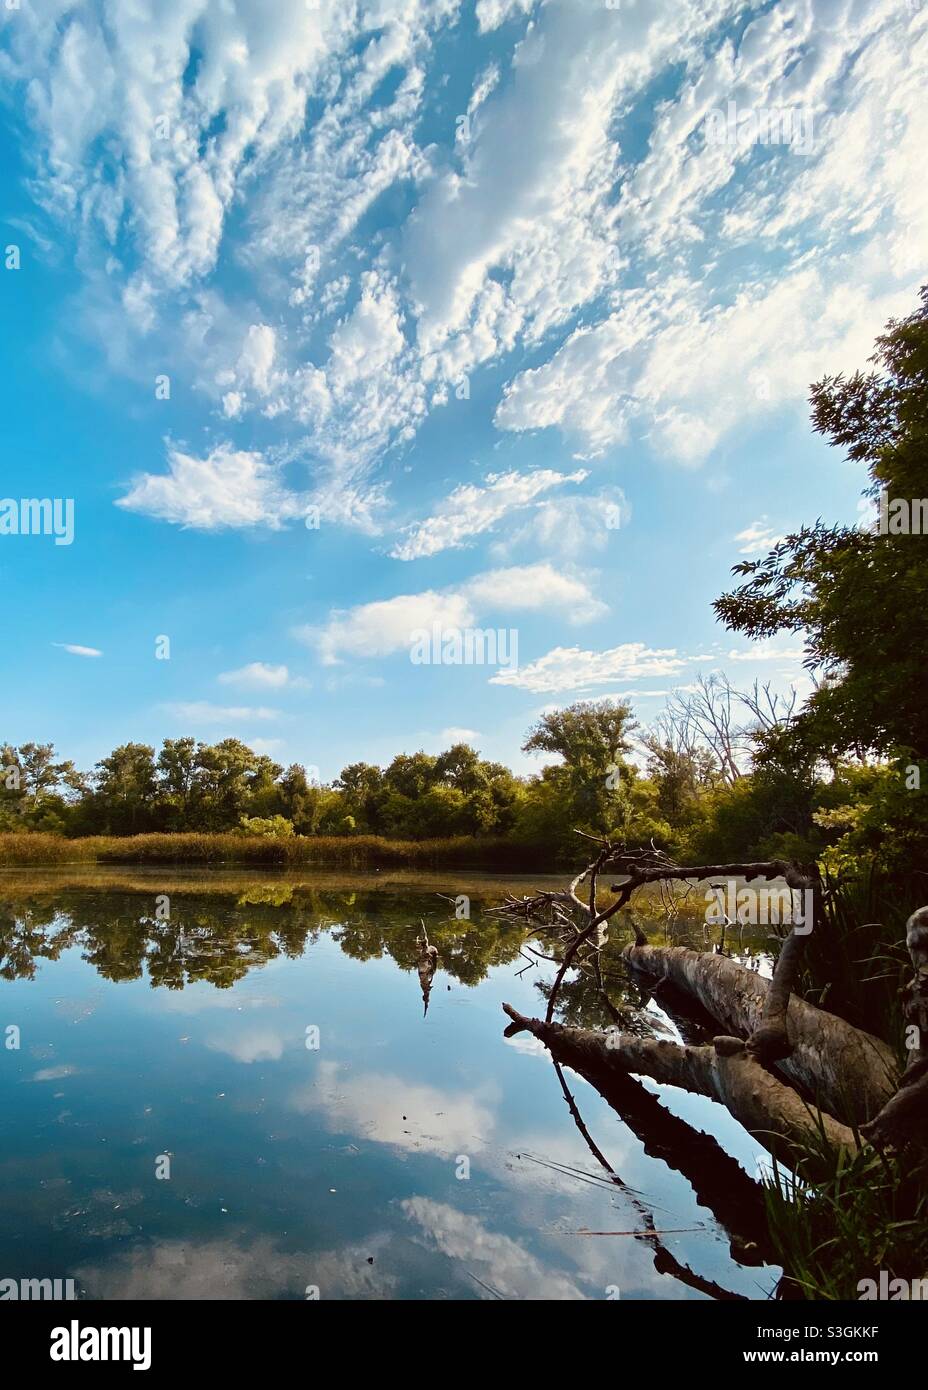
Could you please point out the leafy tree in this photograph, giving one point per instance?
(231, 781)
(125, 788)
(588, 790)
(278, 826)
(411, 774)
(859, 597)
(177, 772)
(362, 785)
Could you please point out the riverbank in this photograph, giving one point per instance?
(23, 850)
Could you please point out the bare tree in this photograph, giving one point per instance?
(770, 709)
(704, 715)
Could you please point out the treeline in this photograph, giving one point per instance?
(698, 783)
(191, 786)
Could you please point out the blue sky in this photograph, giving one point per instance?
(469, 282)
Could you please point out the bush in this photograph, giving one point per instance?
(277, 826)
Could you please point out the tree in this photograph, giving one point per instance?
(41, 776)
(125, 788)
(859, 596)
(34, 788)
(231, 780)
(177, 772)
(362, 785)
(680, 767)
(590, 789)
(411, 774)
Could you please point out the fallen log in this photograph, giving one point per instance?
(724, 1070)
(851, 1074)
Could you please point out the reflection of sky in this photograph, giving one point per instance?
(294, 1167)
(392, 1110)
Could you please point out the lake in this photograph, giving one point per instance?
(228, 1085)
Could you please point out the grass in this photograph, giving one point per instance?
(869, 1214)
(855, 960)
(23, 850)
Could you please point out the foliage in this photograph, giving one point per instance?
(868, 1216)
(859, 597)
(275, 826)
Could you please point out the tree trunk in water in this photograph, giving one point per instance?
(850, 1073)
(770, 1110)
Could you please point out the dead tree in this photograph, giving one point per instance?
(789, 1072)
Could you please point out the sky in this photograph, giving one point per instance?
(336, 322)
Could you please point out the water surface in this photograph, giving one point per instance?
(168, 1023)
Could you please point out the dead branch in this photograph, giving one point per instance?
(724, 1071)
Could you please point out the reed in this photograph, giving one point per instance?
(22, 850)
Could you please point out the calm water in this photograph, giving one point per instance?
(411, 1154)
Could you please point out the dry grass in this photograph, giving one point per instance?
(19, 850)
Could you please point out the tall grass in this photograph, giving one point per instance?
(359, 851)
(870, 1213)
(855, 959)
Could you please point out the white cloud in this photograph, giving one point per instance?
(533, 197)
(570, 668)
(188, 1270)
(534, 588)
(569, 527)
(758, 538)
(270, 746)
(76, 650)
(689, 361)
(228, 488)
(470, 510)
(767, 651)
(500, 1262)
(387, 625)
(691, 371)
(492, 13)
(177, 148)
(259, 675)
(260, 1044)
(519, 237)
(201, 712)
(388, 1109)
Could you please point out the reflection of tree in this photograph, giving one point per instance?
(205, 937)
(601, 994)
(466, 955)
(31, 932)
(220, 937)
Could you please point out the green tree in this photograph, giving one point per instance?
(125, 789)
(859, 597)
(589, 789)
(177, 774)
(363, 789)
